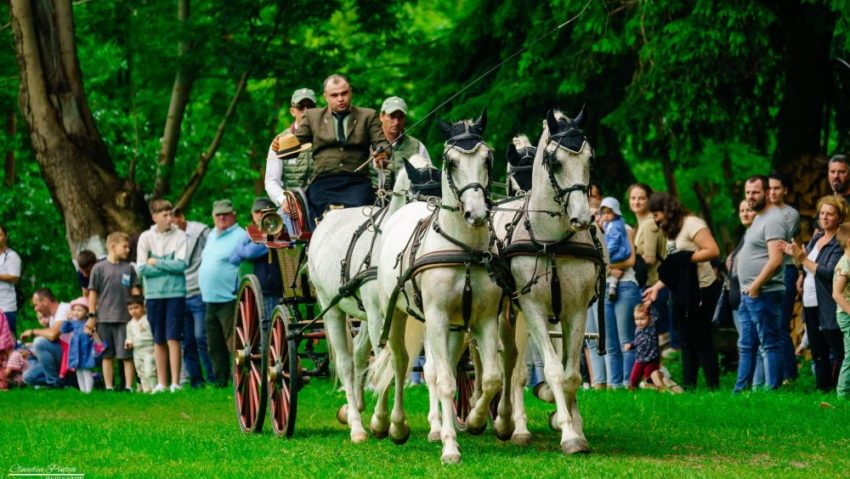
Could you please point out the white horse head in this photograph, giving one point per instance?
(467, 168)
(520, 156)
(562, 168)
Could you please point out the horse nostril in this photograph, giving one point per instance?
(467, 215)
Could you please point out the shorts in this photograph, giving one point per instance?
(114, 335)
(643, 369)
(166, 316)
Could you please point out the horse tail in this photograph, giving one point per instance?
(381, 372)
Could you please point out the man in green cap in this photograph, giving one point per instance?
(393, 120)
(343, 138)
(293, 171)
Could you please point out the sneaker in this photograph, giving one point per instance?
(176, 387)
(160, 388)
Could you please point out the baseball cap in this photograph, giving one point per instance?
(303, 94)
(612, 203)
(221, 207)
(394, 104)
(261, 203)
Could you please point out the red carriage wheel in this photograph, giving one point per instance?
(249, 362)
(283, 374)
(465, 382)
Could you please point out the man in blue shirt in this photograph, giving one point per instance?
(218, 278)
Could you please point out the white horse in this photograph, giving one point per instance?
(435, 264)
(343, 252)
(556, 264)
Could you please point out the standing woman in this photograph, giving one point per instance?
(10, 274)
(818, 261)
(690, 248)
(651, 247)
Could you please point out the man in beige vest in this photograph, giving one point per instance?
(292, 172)
(343, 138)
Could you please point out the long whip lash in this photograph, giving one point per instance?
(479, 78)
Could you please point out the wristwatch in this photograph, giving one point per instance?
(91, 315)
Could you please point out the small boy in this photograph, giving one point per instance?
(161, 260)
(616, 238)
(86, 260)
(111, 283)
(841, 295)
(140, 340)
(647, 352)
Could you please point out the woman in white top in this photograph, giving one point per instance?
(687, 232)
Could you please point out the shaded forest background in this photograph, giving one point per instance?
(181, 99)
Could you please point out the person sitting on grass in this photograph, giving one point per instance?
(81, 349)
(140, 341)
(648, 354)
(841, 295)
(13, 371)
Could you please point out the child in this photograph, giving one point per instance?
(81, 350)
(140, 340)
(16, 365)
(841, 295)
(86, 260)
(161, 260)
(648, 354)
(616, 238)
(111, 283)
(7, 346)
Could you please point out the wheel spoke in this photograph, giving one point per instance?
(240, 334)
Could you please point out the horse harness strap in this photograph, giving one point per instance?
(348, 284)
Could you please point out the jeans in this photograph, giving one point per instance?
(11, 318)
(44, 363)
(270, 302)
(597, 362)
(789, 359)
(760, 320)
(620, 331)
(195, 342)
(663, 312)
(843, 386)
(534, 364)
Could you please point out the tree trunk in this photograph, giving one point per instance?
(183, 82)
(73, 159)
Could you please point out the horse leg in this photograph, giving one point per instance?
(429, 371)
(521, 435)
(487, 338)
(362, 348)
(436, 332)
(503, 424)
(383, 372)
(574, 441)
(339, 337)
(399, 430)
(552, 369)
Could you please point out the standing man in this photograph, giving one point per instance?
(218, 279)
(47, 352)
(10, 274)
(777, 189)
(759, 269)
(264, 260)
(194, 329)
(293, 169)
(393, 121)
(343, 137)
(839, 176)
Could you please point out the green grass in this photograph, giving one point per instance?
(641, 434)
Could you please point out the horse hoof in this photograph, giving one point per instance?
(543, 392)
(575, 445)
(342, 414)
(522, 439)
(359, 437)
(553, 421)
(451, 458)
(399, 435)
(434, 436)
(504, 429)
(379, 428)
(476, 431)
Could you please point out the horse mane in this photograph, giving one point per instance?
(521, 141)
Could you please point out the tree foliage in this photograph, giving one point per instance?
(681, 95)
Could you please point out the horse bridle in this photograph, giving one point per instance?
(571, 140)
(453, 143)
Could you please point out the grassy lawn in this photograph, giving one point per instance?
(642, 434)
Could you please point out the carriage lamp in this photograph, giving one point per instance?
(270, 222)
